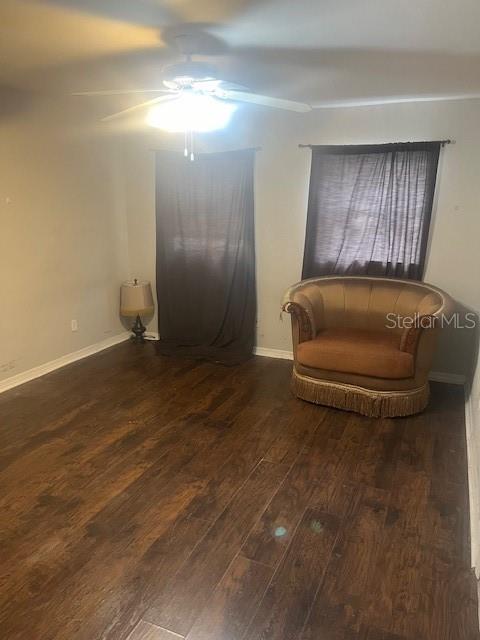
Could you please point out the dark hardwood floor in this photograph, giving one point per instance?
(152, 498)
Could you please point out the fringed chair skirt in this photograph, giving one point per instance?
(375, 404)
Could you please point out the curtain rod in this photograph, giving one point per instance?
(442, 142)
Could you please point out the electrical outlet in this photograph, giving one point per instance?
(74, 325)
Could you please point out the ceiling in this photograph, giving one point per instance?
(319, 51)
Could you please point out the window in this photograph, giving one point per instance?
(369, 209)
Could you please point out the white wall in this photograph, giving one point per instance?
(63, 249)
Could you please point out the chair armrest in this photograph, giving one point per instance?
(411, 335)
(302, 321)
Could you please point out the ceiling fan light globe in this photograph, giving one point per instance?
(191, 112)
(190, 70)
(187, 82)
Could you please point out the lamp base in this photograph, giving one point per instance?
(138, 330)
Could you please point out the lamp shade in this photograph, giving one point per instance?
(136, 299)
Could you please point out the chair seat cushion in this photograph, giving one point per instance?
(359, 351)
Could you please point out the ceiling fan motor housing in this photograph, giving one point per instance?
(183, 74)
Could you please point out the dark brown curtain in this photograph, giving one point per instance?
(206, 255)
(369, 209)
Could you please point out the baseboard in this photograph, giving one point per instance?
(41, 370)
(152, 336)
(447, 378)
(473, 482)
(273, 353)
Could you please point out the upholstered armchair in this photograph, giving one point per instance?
(365, 344)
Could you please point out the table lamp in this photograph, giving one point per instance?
(136, 300)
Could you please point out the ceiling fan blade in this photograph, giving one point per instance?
(141, 12)
(142, 105)
(119, 92)
(265, 101)
(225, 85)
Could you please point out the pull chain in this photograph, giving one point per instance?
(192, 154)
(188, 150)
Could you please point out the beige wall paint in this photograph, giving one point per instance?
(282, 176)
(63, 248)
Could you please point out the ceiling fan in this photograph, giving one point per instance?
(195, 82)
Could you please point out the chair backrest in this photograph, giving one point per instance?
(366, 302)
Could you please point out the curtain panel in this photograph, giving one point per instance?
(206, 255)
(369, 209)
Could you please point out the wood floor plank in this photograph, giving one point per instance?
(49, 406)
(342, 451)
(147, 579)
(287, 602)
(333, 497)
(377, 454)
(273, 532)
(250, 444)
(113, 542)
(131, 438)
(233, 460)
(136, 480)
(233, 603)
(146, 631)
(131, 482)
(346, 589)
(422, 548)
(55, 459)
(377, 634)
(195, 581)
(342, 458)
(295, 435)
